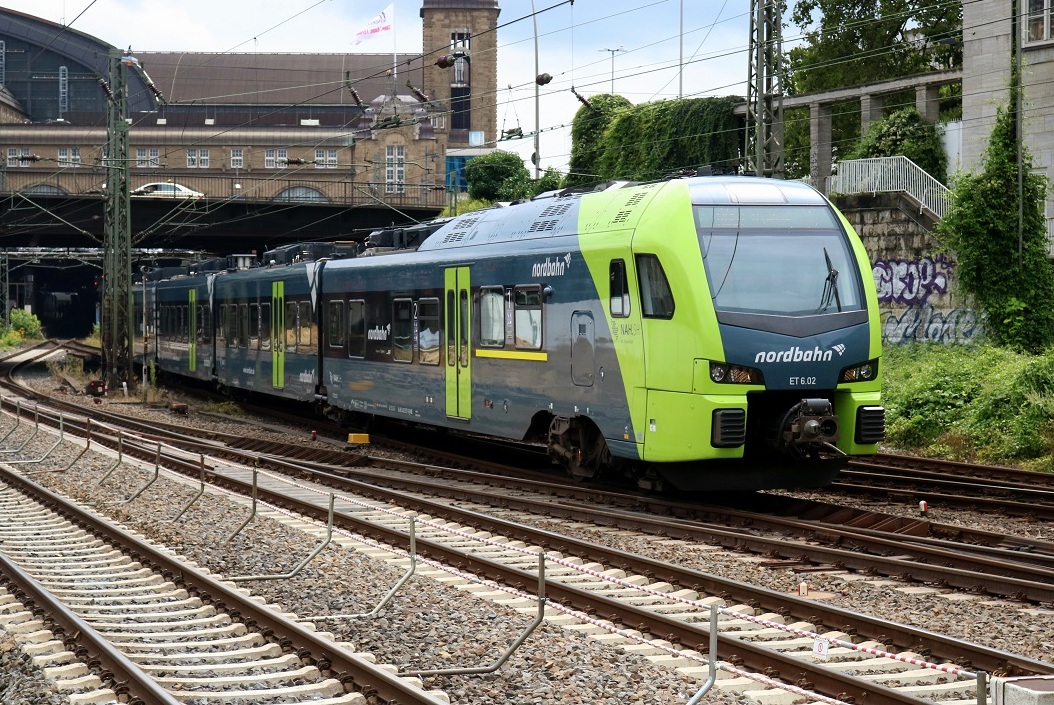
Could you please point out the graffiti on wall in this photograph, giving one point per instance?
(926, 323)
(914, 302)
(911, 282)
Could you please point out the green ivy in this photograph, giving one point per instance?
(1007, 272)
(617, 140)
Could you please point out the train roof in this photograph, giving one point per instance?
(556, 214)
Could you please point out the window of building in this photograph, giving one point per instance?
(237, 158)
(14, 155)
(197, 158)
(276, 158)
(492, 317)
(656, 298)
(395, 169)
(1040, 20)
(147, 158)
(325, 159)
(69, 156)
(64, 89)
(528, 317)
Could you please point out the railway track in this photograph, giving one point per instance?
(652, 598)
(164, 631)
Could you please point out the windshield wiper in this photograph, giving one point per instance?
(830, 287)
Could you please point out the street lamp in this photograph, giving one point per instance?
(613, 52)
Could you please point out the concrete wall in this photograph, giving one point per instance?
(917, 296)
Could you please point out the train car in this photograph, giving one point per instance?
(709, 333)
(182, 340)
(267, 330)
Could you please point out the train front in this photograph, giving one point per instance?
(795, 389)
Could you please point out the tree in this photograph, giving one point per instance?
(856, 42)
(498, 176)
(905, 133)
(853, 42)
(1006, 272)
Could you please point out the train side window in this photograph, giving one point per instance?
(402, 330)
(451, 343)
(429, 338)
(527, 304)
(290, 326)
(618, 286)
(356, 329)
(265, 326)
(492, 317)
(232, 325)
(656, 298)
(254, 326)
(463, 311)
(307, 330)
(243, 325)
(335, 324)
(221, 331)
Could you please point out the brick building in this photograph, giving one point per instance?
(334, 128)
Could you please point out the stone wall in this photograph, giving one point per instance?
(917, 296)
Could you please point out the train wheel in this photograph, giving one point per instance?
(579, 447)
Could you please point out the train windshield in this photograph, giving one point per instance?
(777, 260)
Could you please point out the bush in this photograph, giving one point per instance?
(982, 403)
(905, 133)
(25, 323)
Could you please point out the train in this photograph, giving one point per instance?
(705, 333)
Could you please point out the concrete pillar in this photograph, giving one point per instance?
(1023, 690)
(870, 111)
(820, 143)
(928, 103)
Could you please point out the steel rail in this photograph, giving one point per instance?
(327, 655)
(117, 671)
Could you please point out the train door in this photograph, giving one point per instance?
(458, 334)
(278, 334)
(582, 356)
(192, 330)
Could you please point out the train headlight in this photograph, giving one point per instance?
(723, 373)
(860, 373)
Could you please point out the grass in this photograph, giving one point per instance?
(973, 403)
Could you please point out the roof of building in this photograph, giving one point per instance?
(278, 79)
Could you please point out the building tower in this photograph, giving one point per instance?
(467, 30)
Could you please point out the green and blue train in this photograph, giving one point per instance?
(702, 333)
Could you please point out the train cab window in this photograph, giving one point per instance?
(402, 330)
(428, 337)
(265, 326)
(492, 317)
(618, 289)
(656, 298)
(336, 324)
(356, 329)
(527, 303)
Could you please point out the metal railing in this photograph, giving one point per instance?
(890, 174)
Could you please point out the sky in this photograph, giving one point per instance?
(641, 48)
